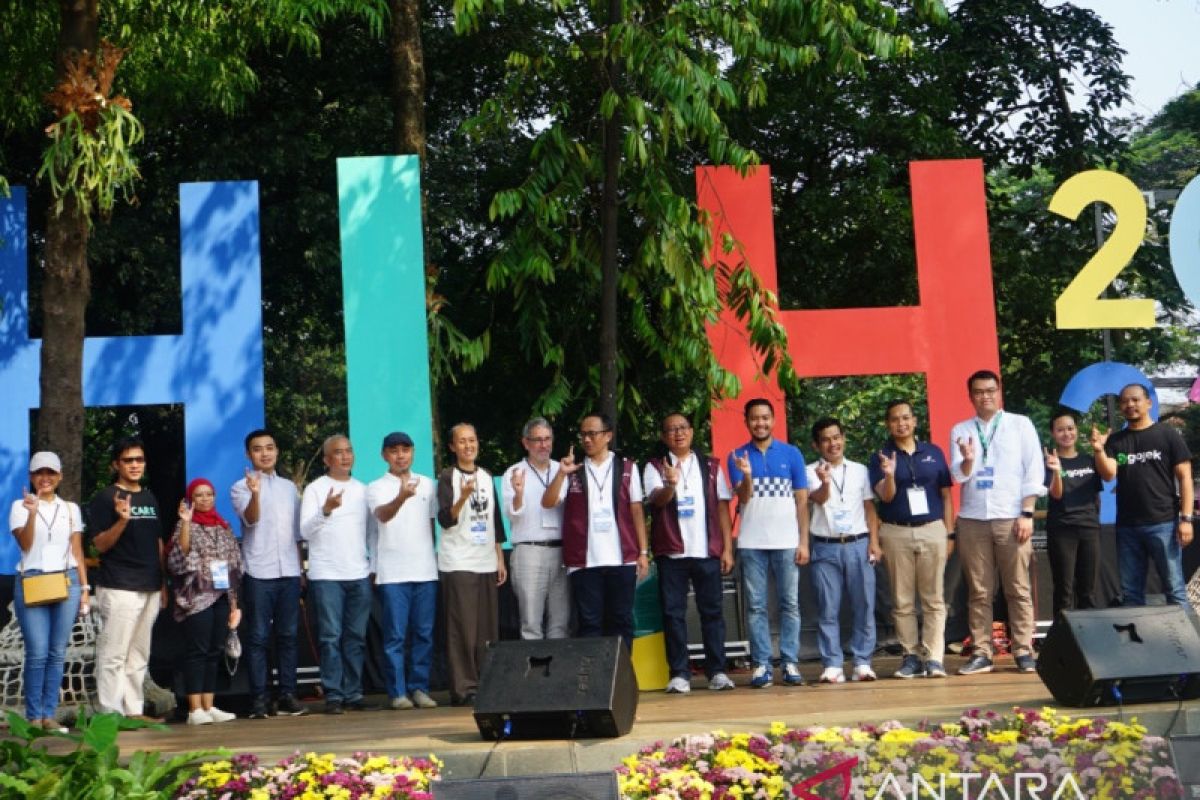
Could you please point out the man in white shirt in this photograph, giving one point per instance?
(405, 567)
(334, 519)
(268, 506)
(539, 579)
(691, 538)
(997, 458)
(845, 548)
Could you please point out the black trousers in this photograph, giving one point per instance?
(206, 632)
(603, 599)
(1074, 558)
(704, 574)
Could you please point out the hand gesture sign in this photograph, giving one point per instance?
(518, 480)
(823, 469)
(253, 481)
(121, 505)
(1052, 462)
(887, 465)
(568, 464)
(742, 462)
(670, 474)
(1098, 439)
(29, 501)
(185, 511)
(966, 447)
(468, 485)
(332, 501)
(408, 488)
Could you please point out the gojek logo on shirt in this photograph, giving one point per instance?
(1079, 473)
(1129, 459)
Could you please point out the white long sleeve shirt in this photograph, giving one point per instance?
(1012, 468)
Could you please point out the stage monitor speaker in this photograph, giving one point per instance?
(588, 786)
(1108, 656)
(556, 689)
(1185, 752)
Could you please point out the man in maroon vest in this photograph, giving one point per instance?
(691, 537)
(603, 531)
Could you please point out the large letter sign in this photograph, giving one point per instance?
(214, 367)
(948, 336)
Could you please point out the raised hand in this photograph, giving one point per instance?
(185, 511)
(468, 485)
(332, 501)
(29, 501)
(568, 465)
(742, 462)
(1098, 439)
(670, 474)
(518, 480)
(1052, 462)
(823, 469)
(887, 465)
(966, 447)
(121, 505)
(408, 488)
(253, 481)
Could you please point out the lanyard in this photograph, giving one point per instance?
(986, 441)
(601, 482)
(684, 469)
(49, 525)
(836, 485)
(545, 482)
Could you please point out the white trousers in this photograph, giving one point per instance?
(123, 649)
(543, 594)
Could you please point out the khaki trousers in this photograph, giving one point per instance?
(123, 649)
(985, 547)
(915, 559)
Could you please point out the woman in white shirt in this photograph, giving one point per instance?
(49, 531)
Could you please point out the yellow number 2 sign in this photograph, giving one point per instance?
(1080, 304)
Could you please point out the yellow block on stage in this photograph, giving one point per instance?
(650, 662)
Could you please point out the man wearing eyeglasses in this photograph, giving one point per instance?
(690, 534)
(997, 458)
(124, 526)
(539, 578)
(604, 531)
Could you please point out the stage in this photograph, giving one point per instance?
(451, 734)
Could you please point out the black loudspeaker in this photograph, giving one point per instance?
(1108, 656)
(556, 689)
(588, 786)
(1185, 752)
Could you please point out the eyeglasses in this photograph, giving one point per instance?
(133, 459)
(539, 439)
(984, 392)
(592, 434)
(677, 429)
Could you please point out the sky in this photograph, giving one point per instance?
(1159, 37)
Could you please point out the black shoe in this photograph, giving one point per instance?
(467, 699)
(361, 705)
(334, 707)
(259, 709)
(289, 706)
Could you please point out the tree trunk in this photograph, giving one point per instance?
(608, 242)
(66, 290)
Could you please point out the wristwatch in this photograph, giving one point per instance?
(1027, 514)
(645, 553)
(1187, 518)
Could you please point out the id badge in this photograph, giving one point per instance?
(841, 521)
(918, 501)
(602, 520)
(687, 507)
(983, 478)
(479, 530)
(220, 574)
(549, 520)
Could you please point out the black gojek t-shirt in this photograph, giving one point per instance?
(1146, 460)
(133, 562)
(1078, 507)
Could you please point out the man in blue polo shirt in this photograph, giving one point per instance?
(913, 482)
(769, 479)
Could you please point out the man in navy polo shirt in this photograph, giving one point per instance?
(772, 491)
(912, 480)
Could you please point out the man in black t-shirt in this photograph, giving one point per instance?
(123, 523)
(1152, 465)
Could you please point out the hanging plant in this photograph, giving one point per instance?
(90, 156)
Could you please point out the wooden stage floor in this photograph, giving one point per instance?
(451, 734)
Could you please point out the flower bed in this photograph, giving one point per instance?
(312, 776)
(1022, 754)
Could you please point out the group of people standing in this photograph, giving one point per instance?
(580, 544)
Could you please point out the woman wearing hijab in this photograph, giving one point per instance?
(207, 565)
(49, 531)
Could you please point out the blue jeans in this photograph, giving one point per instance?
(704, 574)
(1137, 544)
(273, 602)
(343, 608)
(46, 630)
(409, 610)
(844, 571)
(782, 563)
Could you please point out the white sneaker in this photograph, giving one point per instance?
(833, 675)
(720, 682)
(220, 716)
(863, 672)
(423, 700)
(199, 717)
(678, 685)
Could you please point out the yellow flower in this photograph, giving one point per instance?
(778, 728)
